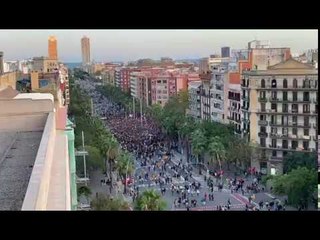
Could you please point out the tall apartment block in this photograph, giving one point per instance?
(85, 49)
(280, 109)
(52, 48)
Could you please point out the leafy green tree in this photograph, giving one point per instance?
(125, 166)
(94, 159)
(299, 185)
(84, 191)
(150, 200)
(299, 159)
(198, 143)
(217, 151)
(102, 203)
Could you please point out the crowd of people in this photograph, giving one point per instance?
(143, 138)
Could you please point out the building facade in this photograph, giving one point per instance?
(194, 110)
(279, 108)
(45, 65)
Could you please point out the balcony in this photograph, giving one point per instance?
(262, 123)
(289, 136)
(245, 120)
(290, 124)
(289, 88)
(281, 148)
(276, 159)
(262, 134)
(244, 108)
(261, 111)
(237, 132)
(262, 99)
(245, 98)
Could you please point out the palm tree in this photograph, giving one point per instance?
(150, 200)
(125, 167)
(112, 153)
(199, 142)
(217, 151)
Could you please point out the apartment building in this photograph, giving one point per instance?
(234, 104)
(279, 108)
(194, 109)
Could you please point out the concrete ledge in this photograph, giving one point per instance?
(38, 187)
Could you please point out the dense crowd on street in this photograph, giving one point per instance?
(153, 154)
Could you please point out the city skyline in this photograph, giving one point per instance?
(112, 45)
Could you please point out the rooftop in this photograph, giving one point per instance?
(18, 152)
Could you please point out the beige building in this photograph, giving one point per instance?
(45, 65)
(204, 65)
(279, 108)
(52, 48)
(8, 79)
(85, 49)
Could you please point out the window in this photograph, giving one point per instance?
(262, 142)
(262, 117)
(284, 108)
(274, 83)
(285, 131)
(285, 153)
(306, 108)
(294, 131)
(274, 95)
(263, 107)
(284, 120)
(294, 144)
(305, 145)
(273, 119)
(285, 83)
(164, 81)
(295, 108)
(294, 120)
(285, 144)
(295, 83)
(263, 129)
(306, 121)
(274, 130)
(306, 96)
(263, 83)
(294, 96)
(285, 96)
(274, 153)
(306, 83)
(262, 94)
(274, 107)
(306, 132)
(159, 81)
(274, 143)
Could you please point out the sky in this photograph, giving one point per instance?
(129, 45)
